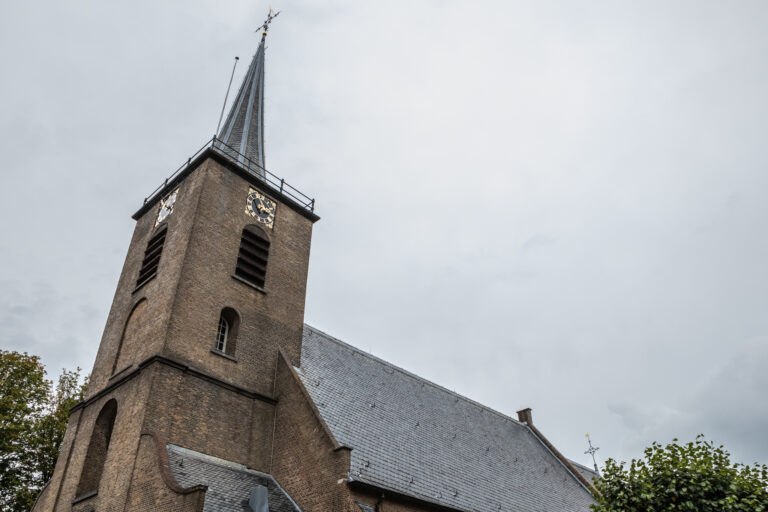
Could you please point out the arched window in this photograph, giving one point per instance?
(226, 332)
(152, 257)
(97, 450)
(253, 255)
(132, 331)
(221, 334)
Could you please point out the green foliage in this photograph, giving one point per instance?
(33, 419)
(697, 476)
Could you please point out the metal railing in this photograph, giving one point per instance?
(234, 156)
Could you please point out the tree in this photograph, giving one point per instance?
(33, 419)
(697, 476)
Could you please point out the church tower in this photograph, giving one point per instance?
(210, 299)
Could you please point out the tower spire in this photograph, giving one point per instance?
(242, 135)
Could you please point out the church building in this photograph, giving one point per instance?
(210, 393)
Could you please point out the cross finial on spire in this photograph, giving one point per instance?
(265, 26)
(591, 451)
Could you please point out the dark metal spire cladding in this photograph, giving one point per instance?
(243, 132)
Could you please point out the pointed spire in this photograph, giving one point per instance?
(243, 131)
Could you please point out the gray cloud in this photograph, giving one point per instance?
(728, 400)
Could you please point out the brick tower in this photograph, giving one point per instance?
(210, 297)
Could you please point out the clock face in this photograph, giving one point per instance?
(261, 208)
(166, 206)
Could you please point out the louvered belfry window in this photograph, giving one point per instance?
(252, 258)
(151, 257)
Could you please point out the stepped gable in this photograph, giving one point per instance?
(229, 484)
(414, 437)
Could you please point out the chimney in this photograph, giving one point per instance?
(525, 416)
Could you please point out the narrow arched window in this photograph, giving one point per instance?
(151, 257)
(221, 334)
(253, 256)
(98, 447)
(226, 332)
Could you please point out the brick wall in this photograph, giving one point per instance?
(160, 292)
(114, 482)
(388, 502)
(306, 462)
(47, 498)
(269, 320)
(204, 416)
(153, 486)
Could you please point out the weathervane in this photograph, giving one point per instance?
(265, 26)
(591, 451)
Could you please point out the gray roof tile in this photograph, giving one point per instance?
(414, 437)
(229, 484)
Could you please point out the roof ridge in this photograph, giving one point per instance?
(236, 466)
(413, 375)
(591, 470)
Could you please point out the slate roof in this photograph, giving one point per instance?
(417, 438)
(229, 484)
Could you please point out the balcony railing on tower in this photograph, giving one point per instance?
(275, 183)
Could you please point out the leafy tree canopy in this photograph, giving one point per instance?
(697, 476)
(33, 419)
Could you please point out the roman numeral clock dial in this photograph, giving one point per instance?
(261, 208)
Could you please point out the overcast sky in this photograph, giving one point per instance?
(549, 204)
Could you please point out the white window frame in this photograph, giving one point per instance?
(221, 340)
